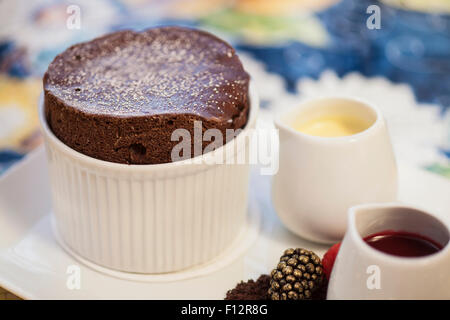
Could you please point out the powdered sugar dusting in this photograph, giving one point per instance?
(163, 70)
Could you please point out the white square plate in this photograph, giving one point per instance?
(34, 266)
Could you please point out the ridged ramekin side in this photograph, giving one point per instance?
(147, 225)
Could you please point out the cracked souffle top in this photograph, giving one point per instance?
(119, 97)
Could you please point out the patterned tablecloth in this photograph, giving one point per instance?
(293, 49)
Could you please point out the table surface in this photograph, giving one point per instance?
(5, 295)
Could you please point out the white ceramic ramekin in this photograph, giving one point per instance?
(149, 218)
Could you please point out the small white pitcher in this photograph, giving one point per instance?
(319, 178)
(362, 272)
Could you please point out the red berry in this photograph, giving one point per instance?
(328, 259)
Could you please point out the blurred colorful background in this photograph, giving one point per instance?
(293, 49)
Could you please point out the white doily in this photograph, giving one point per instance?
(419, 131)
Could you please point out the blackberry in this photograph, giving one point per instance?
(298, 275)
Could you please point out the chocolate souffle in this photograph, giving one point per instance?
(119, 97)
